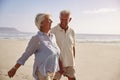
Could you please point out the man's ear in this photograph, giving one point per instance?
(70, 19)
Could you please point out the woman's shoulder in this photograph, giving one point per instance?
(35, 37)
(52, 34)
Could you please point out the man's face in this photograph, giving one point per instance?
(64, 20)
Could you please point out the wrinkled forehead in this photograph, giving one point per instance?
(64, 16)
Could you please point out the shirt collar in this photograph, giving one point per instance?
(44, 34)
(61, 28)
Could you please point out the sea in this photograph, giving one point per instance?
(98, 38)
(16, 35)
(78, 37)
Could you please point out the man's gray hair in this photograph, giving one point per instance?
(65, 12)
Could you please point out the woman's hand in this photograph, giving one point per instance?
(12, 72)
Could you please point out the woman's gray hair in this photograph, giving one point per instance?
(38, 19)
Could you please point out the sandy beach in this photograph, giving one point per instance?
(94, 61)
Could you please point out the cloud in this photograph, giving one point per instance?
(99, 11)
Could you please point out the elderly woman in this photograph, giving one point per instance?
(43, 46)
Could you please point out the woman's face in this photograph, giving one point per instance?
(46, 24)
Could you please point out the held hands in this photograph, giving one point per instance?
(61, 67)
(12, 72)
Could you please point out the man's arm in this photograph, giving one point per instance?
(74, 51)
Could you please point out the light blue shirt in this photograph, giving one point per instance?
(46, 53)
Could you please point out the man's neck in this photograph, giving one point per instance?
(64, 27)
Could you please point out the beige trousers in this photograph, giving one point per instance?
(67, 71)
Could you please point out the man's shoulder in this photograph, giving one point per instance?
(55, 28)
(71, 30)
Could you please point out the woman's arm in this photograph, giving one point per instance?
(31, 48)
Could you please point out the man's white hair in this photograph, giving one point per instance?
(65, 12)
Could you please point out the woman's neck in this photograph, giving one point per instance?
(46, 33)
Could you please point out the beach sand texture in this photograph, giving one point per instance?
(94, 61)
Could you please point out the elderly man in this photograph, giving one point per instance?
(65, 37)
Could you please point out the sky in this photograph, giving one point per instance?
(88, 16)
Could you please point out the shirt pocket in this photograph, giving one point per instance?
(70, 40)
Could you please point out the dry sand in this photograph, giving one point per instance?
(94, 61)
